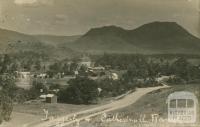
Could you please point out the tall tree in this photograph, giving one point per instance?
(80, 91)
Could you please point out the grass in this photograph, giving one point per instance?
(59, 109)
(33, 113)
(54, 109)
(151, 103)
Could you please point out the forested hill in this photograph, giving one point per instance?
(155, 37)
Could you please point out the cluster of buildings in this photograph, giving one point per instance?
(86, 62)
(95, 71)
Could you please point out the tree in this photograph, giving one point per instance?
(66, 69)
(80, 91)
(54, 86)
(8, 86)
(7, 94)
(83, 70)
(35, 90)
(73, 67)
(54, 69)
(181, 68)
(6, 107)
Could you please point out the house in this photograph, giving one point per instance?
(95, 71)
(51, 98)
(113, 76)
(23, 75)
(23, 79)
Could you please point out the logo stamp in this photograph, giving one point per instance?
(182, 107)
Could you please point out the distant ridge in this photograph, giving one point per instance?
(53, 46)
(155, 37)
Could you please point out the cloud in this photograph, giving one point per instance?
(34, 2)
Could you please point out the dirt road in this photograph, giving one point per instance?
(87, 114)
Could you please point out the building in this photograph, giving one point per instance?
(42, 75)
(23, 79)
(97, 69)
(51, 98)
(23, 75)
(113, 76)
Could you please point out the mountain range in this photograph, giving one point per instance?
(151, 38)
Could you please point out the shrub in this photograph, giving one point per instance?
(176, 80)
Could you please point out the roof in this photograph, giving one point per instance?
(23, 72)
(43, 96)
(114, 74)
(50, 95)
(99, 68)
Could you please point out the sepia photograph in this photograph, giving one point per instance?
(99, 63)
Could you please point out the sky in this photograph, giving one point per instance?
(75, 17)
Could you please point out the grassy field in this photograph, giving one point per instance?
(152, 103)
(53, 109)
(58, 109)
(21, 119)
(33, 113)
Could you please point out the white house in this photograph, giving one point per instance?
(23, 79)
(114, 76)
(23, 75)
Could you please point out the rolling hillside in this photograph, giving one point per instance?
(57, 40)
(14, 42)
